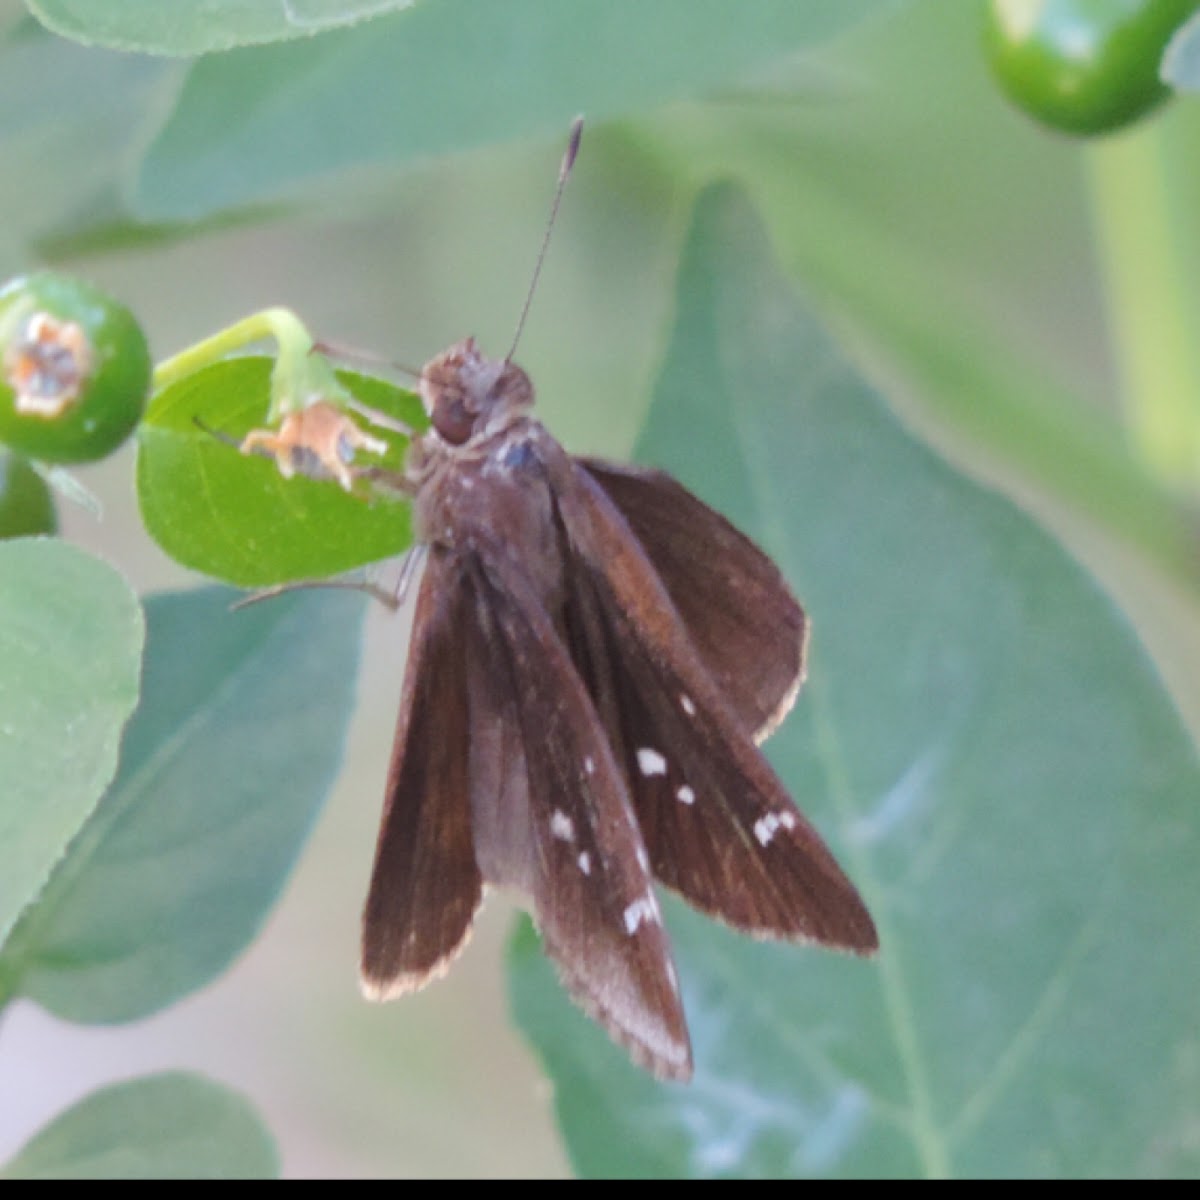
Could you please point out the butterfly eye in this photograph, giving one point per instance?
(452, 419)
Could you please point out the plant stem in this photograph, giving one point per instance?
(298, 378)
(1154, 315)
(278, 323)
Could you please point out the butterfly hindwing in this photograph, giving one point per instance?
(718, 824)
(742, 617)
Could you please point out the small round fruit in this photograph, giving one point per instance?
(74, 370)
(1083, 66)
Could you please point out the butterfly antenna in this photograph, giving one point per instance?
(564, 173)
(344, 353)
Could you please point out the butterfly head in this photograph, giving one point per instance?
(467, 394)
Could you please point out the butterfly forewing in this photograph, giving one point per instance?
(718, 824)
(425, 886)
(585, 866)
(742, 618)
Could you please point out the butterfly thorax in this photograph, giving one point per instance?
(484, 469)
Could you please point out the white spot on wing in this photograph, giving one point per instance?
(641, 910)
(685, 795)
(766, 827)
(650, 762)
(643, 861)
(585, 862)
(562, 826)
(689, 705)
(589, 765)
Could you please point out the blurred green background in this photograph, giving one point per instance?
(1026, 302)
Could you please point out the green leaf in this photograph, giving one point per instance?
(1004, 343)
(70, 646)
(225, 766)
(169, 1126)
(449, 76)
(200, 26)
(26, 506)
(235, 517)
(67, 116)
(996, 764)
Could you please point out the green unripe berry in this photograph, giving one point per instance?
(74, 369)
(1083, 66)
